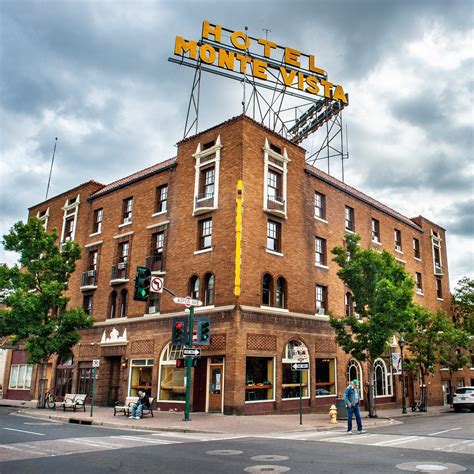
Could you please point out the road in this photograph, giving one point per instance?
(438, 444)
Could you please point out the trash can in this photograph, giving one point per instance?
(341, 409)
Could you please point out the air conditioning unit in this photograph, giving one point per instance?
(122, 266)
(321, 311)
(91, 273)
(68, 238)
(152, 309)
(398, 247)
(127, 220)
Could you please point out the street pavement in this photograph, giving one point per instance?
(215, 423)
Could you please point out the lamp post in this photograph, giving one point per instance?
(401, 343)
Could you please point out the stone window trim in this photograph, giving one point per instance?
(436, 251)
(43, 216)
(71, 211)
(279, 163)
(206, 157)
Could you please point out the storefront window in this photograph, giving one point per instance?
(85, 379)
(140, 376)
(325, 377)
(172, 387)
(294, 351)
(20, 377)
(259, 379)
(63, 383)
(382, 379)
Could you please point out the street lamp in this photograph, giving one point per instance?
(401, 343)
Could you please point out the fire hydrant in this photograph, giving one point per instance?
(333, 414)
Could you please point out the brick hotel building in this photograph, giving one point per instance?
(265, 276)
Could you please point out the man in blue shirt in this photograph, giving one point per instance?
(351, 399)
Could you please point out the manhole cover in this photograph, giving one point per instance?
(269, 457)
(423, 466)
(267, 468)
(224, 452)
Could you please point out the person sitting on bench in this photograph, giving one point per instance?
(137, 408)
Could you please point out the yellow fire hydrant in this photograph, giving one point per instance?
(333, 414)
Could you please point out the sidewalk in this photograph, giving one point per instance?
(213, 423)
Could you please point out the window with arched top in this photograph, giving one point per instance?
(348, 304)
(209, 289)
(194, 284)
(294, 351)
(171, 386)
(280, 293)
(123, 303)
(354, 372)
(267, 284)
(382, 379)
(113, 305)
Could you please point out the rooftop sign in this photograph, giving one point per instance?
(236, 55)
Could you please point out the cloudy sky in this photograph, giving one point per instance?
(95, 74)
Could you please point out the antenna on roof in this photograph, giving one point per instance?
(51, 169)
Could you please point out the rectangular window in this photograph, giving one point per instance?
(290, 386)
(321, 256)
(93, 260)
(274, 185)
(20, 377)
(154, 303)
(141, 377)
(321, 299)
(320, 205)
(325, 377)
(273, 236)
(416, 248)
(208, 179)
(124, 248)
(436, 242)
(69, 228)
(375, 230)
(349, 219)
(155, 260)
(127, 210)
(97, 224)
(439, 288)
(397, 236)
(259, 379)
(419, 283)
(87, 304)
(205, 234)
(162, 198)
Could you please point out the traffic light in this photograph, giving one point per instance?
(142, 284)
(179, 334)
(203, 331)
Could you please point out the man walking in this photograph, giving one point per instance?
(351, 399)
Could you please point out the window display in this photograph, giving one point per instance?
(259, 379)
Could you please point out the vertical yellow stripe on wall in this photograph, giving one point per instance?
(238, 238)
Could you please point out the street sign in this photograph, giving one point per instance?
(191, 351)
(187, 301)
(95, 362)
(156, 284)
(300, 365)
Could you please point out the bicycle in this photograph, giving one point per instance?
(49, 400)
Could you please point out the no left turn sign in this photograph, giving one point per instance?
(156, 284)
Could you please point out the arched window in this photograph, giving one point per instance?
(194, 287)
(267, 284)
(171, 384)
(280, 294)
(209, 289)
(348, 304)
(354, 372)
(123, 303)
(112, 304)
(294, 351)
(382, 380)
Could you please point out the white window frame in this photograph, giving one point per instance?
(43, 218)
(436, 243)
(70, 210)
(15, 371)
(281, 166)
(387, 382)
(168, 358)
(201, 162)
(133, 363)
(322, 207)
(273, 382)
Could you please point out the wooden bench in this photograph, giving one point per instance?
(148, 411)
(125, 407)
(74, 401)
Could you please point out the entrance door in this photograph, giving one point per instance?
(216, 385)
(114, 380)
(446, 394)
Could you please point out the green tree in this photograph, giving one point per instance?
(432, 340)
(33, 294)
(382, 292)
(463, 304)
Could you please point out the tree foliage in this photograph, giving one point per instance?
(463, 304)
(383, 293)
(33, 292)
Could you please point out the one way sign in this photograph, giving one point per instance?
(300, 365)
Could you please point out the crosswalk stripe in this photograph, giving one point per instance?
(146, 440)
(397, 441)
